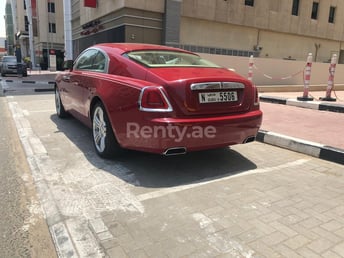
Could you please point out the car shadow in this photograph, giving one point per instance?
(152, 170)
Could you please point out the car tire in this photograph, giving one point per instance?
(60, 110)
(104, 139)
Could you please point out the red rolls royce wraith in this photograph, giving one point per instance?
(156, 99)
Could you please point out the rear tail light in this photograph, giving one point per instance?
(153, 99)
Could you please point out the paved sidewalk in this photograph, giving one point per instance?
(338, 95)
(304, 126)
(292, 99)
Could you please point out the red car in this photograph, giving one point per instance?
(157, 99)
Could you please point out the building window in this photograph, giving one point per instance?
(315, 8)
(249, 2)
(26, 21)
(51, 7)
(24, 4)
(332, 14)
(52, 27)
(295, 8)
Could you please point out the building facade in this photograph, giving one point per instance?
(46, 19)
(286, 29)
(116, 21)
(9, 28)
(3, 50)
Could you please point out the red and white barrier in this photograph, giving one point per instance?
(307, 70)
(330, 82)
(250, 68)
(307, 79)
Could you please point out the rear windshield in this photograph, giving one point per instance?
(158, 58)
(12, 59)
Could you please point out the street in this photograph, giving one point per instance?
(252, 200)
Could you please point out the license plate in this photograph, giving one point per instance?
(213, 97)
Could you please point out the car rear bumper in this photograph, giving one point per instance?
(13, 69)
(159, 135)
(9, 71)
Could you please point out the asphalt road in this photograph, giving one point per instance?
(252, 200)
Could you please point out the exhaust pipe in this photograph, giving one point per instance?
(250, 139)
(175, 151)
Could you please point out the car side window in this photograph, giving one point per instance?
(99, 62)
(85, 61)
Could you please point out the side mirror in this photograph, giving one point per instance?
(68, 65)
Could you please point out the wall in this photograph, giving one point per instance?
(269, 25)
(281, 46)
(122, 25)
(272, 44)
(271, 15)
(277, 68)
(105, 7)
(215, 34)
(44, 17)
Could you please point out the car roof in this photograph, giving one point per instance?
(122, 48)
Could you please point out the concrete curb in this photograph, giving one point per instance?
(40, 82)
(306, 147)
(317, 105)
(44, 89)
(31, 82)
(295, 88)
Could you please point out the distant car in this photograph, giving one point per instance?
(9, 65)
(157, 99)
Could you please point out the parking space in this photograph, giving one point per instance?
(252, 200)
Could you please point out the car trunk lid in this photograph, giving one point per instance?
(205, 91)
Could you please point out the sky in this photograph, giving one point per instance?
(2, 20)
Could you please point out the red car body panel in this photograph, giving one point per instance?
(119, 90)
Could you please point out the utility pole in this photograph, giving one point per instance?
(67, 13)
(31, 43)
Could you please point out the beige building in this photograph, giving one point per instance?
(2, 46)
(47, 29)
(117, 21)
(278, 29)
(285, 29)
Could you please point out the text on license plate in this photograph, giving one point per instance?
(223, 96)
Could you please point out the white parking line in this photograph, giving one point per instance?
(42, 111)
(166, 191)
